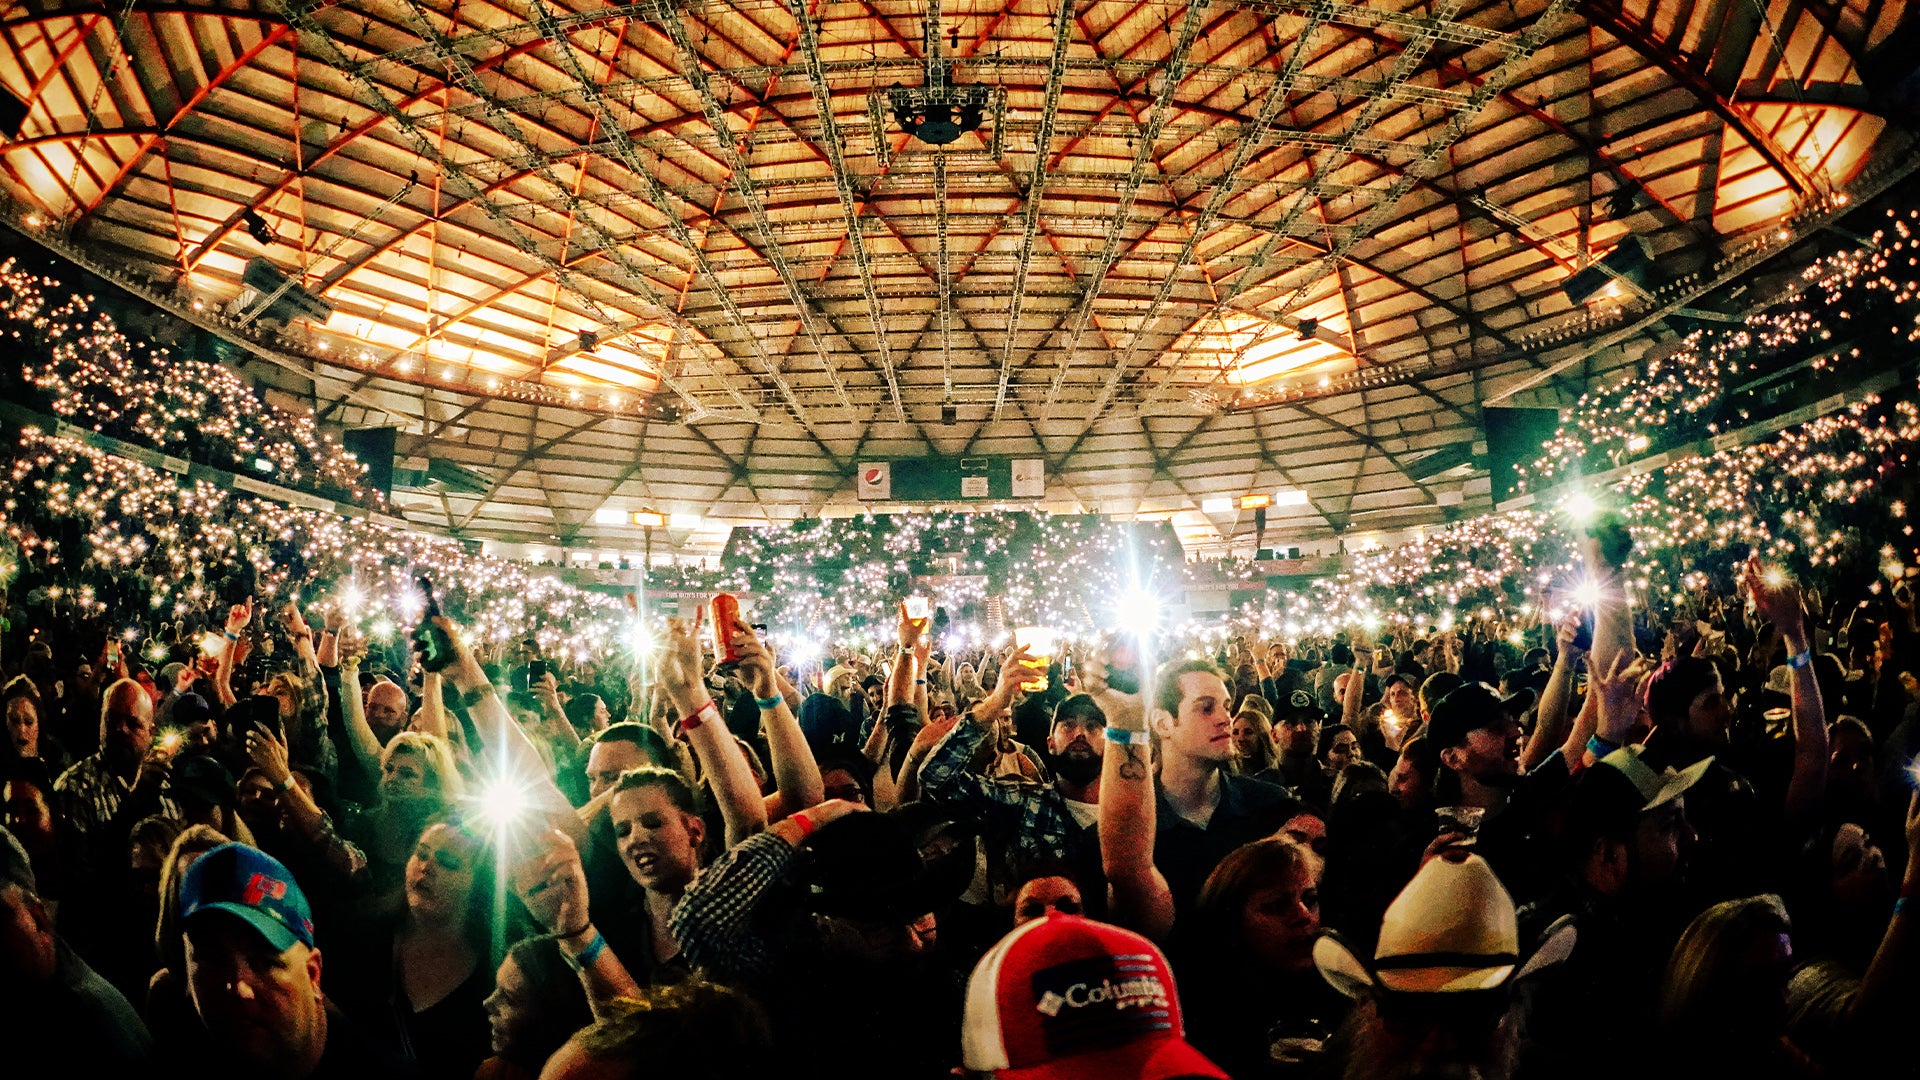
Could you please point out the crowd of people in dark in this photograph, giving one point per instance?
(1678, 841)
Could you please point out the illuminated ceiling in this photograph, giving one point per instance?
(1192, 251)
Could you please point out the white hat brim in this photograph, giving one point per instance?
(1340, 967)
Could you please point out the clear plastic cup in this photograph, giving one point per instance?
(1039, 642)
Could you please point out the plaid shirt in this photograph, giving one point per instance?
(90, 794)
(714, 920)
(1025, 820)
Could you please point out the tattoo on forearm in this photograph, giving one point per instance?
(1135, 767)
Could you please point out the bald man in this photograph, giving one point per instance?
(386, 709)
(101, 797)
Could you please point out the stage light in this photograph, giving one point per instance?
(257, 227)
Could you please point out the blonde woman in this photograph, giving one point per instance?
(1253, 749)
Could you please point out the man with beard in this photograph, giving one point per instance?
(1021, 823)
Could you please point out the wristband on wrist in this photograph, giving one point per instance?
(230, 635)
(1128, 738)
(287, 784)
(473, 697)
(587, 955)
(692, 720)
(1800, 659)
(1900, 906)
(766, 703)
(1599, 747)
(806, 825)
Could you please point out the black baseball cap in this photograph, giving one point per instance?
(1470, 708)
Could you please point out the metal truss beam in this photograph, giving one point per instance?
(1630, 31)
(1036, 189)
(1251, 142)
(1493, 82)
(374, 97)
(1171, 78)
(843, 189)
(739, 175)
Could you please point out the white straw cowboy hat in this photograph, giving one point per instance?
(1452, 929)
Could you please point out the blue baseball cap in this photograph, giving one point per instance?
(253, 886)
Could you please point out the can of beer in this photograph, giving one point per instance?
(725, 613)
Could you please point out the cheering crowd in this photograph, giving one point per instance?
(1688, 834)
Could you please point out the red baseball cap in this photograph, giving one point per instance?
(1067, 998)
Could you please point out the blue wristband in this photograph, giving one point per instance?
(587, 955)
(1900, 905)
(1128, 738)
(1599, 747)
(1800, 659)
(773, 702)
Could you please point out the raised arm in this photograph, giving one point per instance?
(333, 621)
(1777, 599)
(1613, 699)
(796, 775)
(362, 744)
(721, 762)
(238, 618)
(1137, 892)
(307, 735)
(553, 886)
(513, 753)
(557, 728)
(1552, 724)
(1613, 623)
(433, 718)
(1888, 990)
(268, 752)
(1364, 656)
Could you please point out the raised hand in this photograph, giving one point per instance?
(239, 616)
(1777, 598)
(268, 752)
(909, 631)
(291, 618)
(1013, 672)
(756, 664)
(1125, 710)
(931, 732)
(353, 648)
(682, 671)
(1618, 690)
(1564, 634)
(553, 886)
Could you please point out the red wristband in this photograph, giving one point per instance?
(692, 720)
(806, 825)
